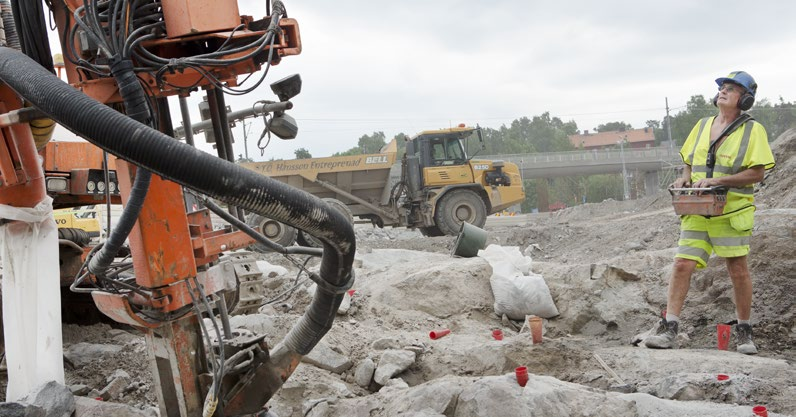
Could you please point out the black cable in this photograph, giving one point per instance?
(212, 361)
(212, 318)
(287, 293)
(32, 31)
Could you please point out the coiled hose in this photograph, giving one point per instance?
(192, 168)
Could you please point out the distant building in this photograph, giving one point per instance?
(636, 138)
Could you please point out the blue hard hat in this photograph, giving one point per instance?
(741, 78)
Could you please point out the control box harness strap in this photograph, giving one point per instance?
(711, 159)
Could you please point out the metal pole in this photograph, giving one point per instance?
(186, 120)
(245, 139)
(624, 170)
(669, 126)
(257, 110)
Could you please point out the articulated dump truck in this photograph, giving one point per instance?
(434, 187)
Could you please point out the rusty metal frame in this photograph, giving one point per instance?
(287, 43)
(21, 174)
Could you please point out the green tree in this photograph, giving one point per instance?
(613, 127)
(776, 118)
(367, 144)
(372, 143)
(541, 133)
(400, 140)
(302, 153)
(684, 121)
(531, 200)
(350, 152)
(602, 187)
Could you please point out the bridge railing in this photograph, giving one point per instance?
(663, 154)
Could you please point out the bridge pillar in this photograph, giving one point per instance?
(651, 181)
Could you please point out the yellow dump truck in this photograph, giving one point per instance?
(86, 219)
(434, 188)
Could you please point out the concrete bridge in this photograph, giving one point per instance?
(650, 161)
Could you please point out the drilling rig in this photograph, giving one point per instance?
(123, 59)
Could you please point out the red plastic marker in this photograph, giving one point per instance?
(522, 375)
(436, 334)
(723, 335)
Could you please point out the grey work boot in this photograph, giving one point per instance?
(743, 335)
(665, 337)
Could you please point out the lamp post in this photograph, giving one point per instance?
(624, 169)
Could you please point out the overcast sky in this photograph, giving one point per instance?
(407, 66)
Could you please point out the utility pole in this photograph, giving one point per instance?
(624, 170)
(669, 126)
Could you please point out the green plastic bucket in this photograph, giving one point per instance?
(470, 240)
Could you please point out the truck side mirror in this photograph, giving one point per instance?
(480, 137)
(287, 87)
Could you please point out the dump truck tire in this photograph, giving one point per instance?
(275, 231)
(306, 239)
(457, 207)
(78, 236)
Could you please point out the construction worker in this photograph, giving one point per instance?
(729, 150)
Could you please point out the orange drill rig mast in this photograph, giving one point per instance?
(130, 55)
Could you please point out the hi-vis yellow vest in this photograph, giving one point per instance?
(746, 147)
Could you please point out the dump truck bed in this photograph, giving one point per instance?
(363, 176)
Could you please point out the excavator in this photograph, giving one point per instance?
(123, 59)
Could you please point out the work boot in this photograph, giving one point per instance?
(743, 335)
(665, 337)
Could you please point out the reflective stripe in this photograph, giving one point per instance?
(721, 169)
(702, 124)
(694, 235)
(730, 241)
(745, 190)
(699, 168)
(739, 157)
(691, 251)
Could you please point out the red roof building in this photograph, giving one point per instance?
(636, 138)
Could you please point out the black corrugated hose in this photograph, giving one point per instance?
(192, 168)
(136, 107)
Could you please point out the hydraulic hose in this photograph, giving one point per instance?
(192, 168)
(135, 105)
(9, 26)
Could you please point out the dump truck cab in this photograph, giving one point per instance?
(446, 188)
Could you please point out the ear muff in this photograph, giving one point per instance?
(715, 100)
(746, 101)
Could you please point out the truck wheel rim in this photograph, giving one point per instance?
(271, 229)
(464, 213)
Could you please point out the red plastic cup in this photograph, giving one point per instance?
(521, 373)
(497, 334)
(722, 377)
(760, 410)
(723, 335)
(436, 334)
